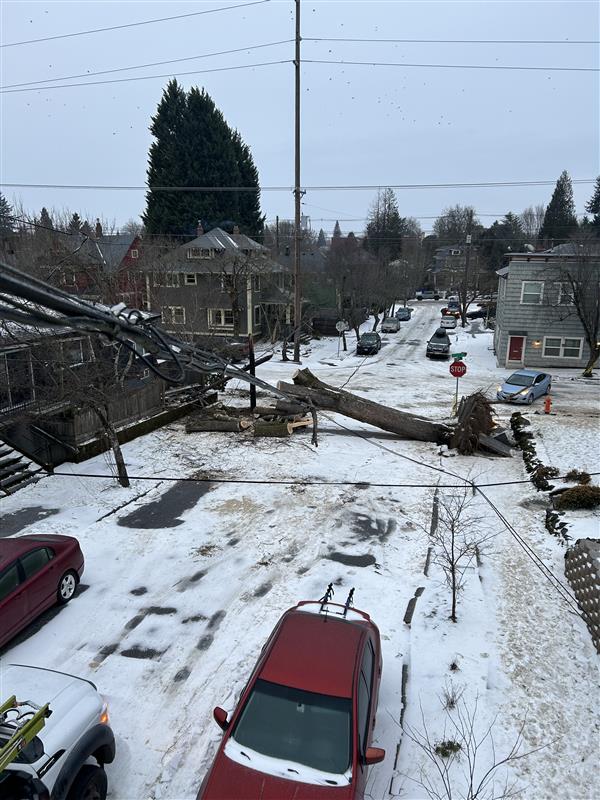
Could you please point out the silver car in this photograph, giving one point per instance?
(390, 325)
(524, 386)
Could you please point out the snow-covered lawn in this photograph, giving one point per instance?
(184, 581)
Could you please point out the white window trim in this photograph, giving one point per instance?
(212, 323)
(568, 292)
(171, 310)
(194, 253)
(190, 279)
(562, 347)
(540, 301)
(257, 319)
(134, 253)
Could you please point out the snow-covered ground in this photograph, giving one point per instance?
(184, 581)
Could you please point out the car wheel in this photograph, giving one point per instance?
(90, 784)
(66, 586)
(530, 398)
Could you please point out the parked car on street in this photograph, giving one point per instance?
(390, 325)
(303, 725)
(55, 742)
(439, 345)
(448, 322)
(404, 313)
(368, 344)
(428, 294)
(524, 386)
(35, 573)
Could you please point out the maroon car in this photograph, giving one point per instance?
(303, 725)
(35, 573)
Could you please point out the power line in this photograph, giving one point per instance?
(448, 66)
(327, 188)
(146, 77)
(133, 24)
(144, 66)
(279, 482)
(452, 41)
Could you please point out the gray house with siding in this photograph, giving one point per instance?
(220, 285)
(537, 324)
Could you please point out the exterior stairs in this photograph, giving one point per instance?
(16, 470)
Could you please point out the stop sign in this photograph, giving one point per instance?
(458, 369)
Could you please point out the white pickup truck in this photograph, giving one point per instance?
(65, 758)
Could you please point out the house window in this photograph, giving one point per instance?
(220, 318)
(556, 347)
(200, 252)
(173, 315)
(190, 279)
(257, 315)
(134, 253)
(73, 352)
(532, 293)
(565, 294)
(256, 283)
(172, 279)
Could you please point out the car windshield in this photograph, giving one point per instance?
(369, 337)
(520, 380)
(294, 725)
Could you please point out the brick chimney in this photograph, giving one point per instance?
(98, 230)
(199, 229)
(236, 229)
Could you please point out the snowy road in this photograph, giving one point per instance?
(184, 581)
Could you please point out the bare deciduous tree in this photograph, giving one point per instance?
(457, 539)
(465, 761)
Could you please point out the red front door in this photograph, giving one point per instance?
(515, 348)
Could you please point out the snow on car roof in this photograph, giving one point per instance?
(314, 653)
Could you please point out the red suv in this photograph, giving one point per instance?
(35, 573)
(303, 725)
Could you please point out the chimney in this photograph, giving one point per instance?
(199, 229)
(236, 229)
(98, 230)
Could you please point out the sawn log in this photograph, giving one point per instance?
(407, 426)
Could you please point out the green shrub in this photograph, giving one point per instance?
(581, 496)
(447, 748)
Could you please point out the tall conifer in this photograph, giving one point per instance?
(560, 221)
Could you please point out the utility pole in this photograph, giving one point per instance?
(297, 198)
(465, 287)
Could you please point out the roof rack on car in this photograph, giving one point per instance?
(18, 728)
(327, 597)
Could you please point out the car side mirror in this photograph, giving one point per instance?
(374, 755)
(220, 716)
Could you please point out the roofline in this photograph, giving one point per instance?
(557, 256)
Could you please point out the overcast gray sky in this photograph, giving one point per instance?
(361, 125)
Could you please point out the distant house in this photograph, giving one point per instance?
(536, 320)
(220, 285)
(447, 269)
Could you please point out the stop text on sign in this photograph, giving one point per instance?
(458, 369)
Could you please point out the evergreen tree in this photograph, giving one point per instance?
(385, 228)
(560, 221)
(75, 223)
(250, 220)
(593, 206)
(499, 239)
(194, 146)
(337, 231)
(86, 228)
(321, 240)
(6, 217)
(45, 219)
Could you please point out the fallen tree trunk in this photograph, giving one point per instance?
(280, 429)
(407, 426)
(205, 425)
